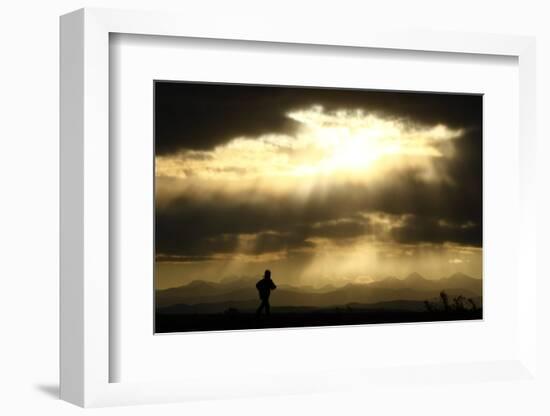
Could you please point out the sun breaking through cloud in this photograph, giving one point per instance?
(324, 186)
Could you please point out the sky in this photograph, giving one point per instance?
(321, 186)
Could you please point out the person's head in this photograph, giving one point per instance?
(267, 274)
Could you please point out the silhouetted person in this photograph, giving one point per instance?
(265, 286)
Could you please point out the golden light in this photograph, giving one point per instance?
(355, 141)
(327, 147)
(326, 150)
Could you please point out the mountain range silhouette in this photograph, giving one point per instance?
(240, 293)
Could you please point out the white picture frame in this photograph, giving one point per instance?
(85, 265)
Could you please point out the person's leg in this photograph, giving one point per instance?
(261, 307)
(267, 307)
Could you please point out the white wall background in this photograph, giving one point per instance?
(29, 208)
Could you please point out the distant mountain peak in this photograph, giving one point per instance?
(328, 286)
(200, 283)
(415, 276)
(460, 275)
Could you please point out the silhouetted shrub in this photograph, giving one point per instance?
(459, 303)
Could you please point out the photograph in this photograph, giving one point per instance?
(279, 206)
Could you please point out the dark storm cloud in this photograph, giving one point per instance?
(193, 226)
(463, 201)
(201, 116)
(342, 229)
(417, 229)
(191, 245)
(270, 242)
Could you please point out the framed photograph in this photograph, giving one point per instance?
(323, 200)
(280, 206)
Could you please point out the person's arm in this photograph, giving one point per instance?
(273, 285)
